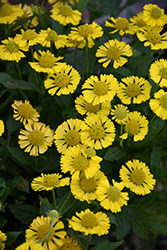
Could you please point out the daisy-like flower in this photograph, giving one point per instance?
(113, 50)
(151, 37)
(110, 196)
(153, 15)
(100, 90)
(29, 36)
(159, 104)
(90, 223)
(10, 50)
(24, 112)
(84, 189)
(65, 14)
(71, 42)
(70, 243)
(97, 131)
(138, 21)
(64, 80)
(3, 238)
(2, 127)
(9, 13)
(122, 25)
(40, 227)
(136, 125)
(76, 161)
(134, 89)
(28, 246)
(83, 107)
(36, 138)
(46, 62)
(137, 177)
(120, 113)
(158, 72)
(49, 181)
(68, 134)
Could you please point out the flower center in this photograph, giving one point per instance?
(154, 37)
(140, 23)
(155, 12)
(42, 232)
(89, 220)
(88, 185)
(120, 113)
(113, 52)
(26, 110)
(100, 88)
(80, 163)
(69, 246)
(163, 72)
(29, 35)
(92, 108)
(133, 90)
(5, 10)
(52, 35)
(62, 80)
(163, 101)
(113, 193)
(12, 46)
(90, 152)
(97, 132)
(47, 61)
(85, 30)
(50, 181)
(72, 137)
(36, 137)
(66, 10)
(137, 176)
(132, 127)
(121, 23)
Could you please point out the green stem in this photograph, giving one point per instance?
(75, 56)
(54, 198)
(39, 10)
(18, 69)
(152, 119)
(146, 55)
(88, 242)
(64, 202)
(51, 226)
(35, 73)
(86, 62)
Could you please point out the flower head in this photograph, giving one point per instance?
(70, 244)
(137, 177)
(120, 113)
(29, 36)
(159, 104)
(158, 72)
(2, 127)
(3, 238)
(9, 13)
(153, 15)
(138, 21)
(28, 246)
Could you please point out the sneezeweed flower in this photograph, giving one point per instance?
(120, 113)
(3, 238)
(29, 36)
(40, 227)
(159, 104)
(28, 246)
(36, 138)
(158, 72)
(97, 131)
(64, 80)
(46, 62)
(9, 13)
(2, 127)
(49, 181)
(110, 196)
(65, 14)
(122, 25)
(136, 125)
(151, 37)
(83, 107)
(138, 21)
(10, 50)
(137, 177)
(70, 243)
(71, 42)
(76, 161)
(24, 112)
(97, 90)
(153, 15)
(90, 223)
(114, 51)
(68, 134)
(134, 89)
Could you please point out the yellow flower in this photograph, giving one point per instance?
(24, 112)
(158, 72)
(71, 42)
(100, 90)
(136, 125)
(76, 161)
(68, 135)
(28, 246)
(9, 13)
(153, 15)
(70, 244)
(10, 50)
(97, 131)
(134, 89)
(122, 25)
(90, 223)
(46, 62)
(3, 238)
(138, 21)
(83, 107)
(151, 37)
(40, 227)
(29, 36)
(137, 177)
(59, 3)
(65, 14)
(110, 196)
(48, 182)
(115, 51)
(36, 138)
(159, 104)
(64, 80)
(120, 113)
(2, 127)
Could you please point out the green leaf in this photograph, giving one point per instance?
(123, 71)
(45, 206)
(115, 153)
(112, 218)
(107, 245)
(123, 230)
(156, 224)
(4, 194)
(140, 229)
(2, 222)
(155, 157)
(82, 4)
(65, 203)
(11, 237)
(20, 155)
(133, 213)
(2, 182)
(12, 125)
